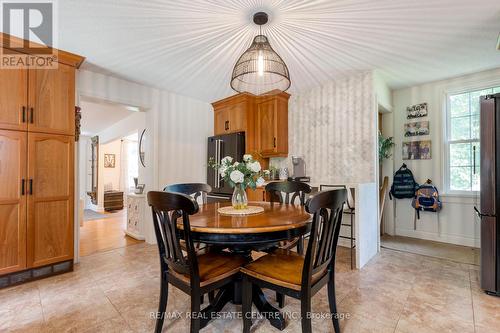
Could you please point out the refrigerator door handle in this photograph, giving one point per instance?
(219, 158)
(216, 171)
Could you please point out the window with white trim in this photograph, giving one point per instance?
(462, 140)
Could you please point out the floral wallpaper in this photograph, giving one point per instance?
(333, 127)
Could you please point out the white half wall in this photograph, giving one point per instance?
(367, 232)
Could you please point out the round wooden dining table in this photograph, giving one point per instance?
(260, 231)
(243, 234)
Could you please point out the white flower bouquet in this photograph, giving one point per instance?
(247, 174)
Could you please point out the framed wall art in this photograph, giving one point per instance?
(417, 150)
(416, 111)
(417, 128)
(109, 160)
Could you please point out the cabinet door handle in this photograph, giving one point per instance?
(226, 125)
(274, 142)
(23, 182)
(24, 114)
(31, 115)
(31, 186)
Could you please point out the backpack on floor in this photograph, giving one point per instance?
(403, 184)
(427, 199)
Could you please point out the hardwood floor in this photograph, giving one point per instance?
(105, 234)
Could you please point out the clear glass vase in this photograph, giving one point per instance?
(239, 200)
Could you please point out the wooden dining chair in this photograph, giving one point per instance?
(195, 190)
(295, 193)
(194, 274)
(297, 276)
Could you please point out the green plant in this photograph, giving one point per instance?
(384, 147)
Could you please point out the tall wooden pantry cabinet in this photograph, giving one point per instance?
(37, 134)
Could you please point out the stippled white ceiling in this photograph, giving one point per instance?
(190, 46)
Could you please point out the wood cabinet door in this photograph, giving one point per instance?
(13, 158)
(266, 127)
(52, 100)
(13, 99)
(221, 121)
(259, 194)
(50, 199)
(238, 117)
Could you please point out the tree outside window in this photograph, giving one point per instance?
(463, 140)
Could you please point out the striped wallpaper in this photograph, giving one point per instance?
(333, 127)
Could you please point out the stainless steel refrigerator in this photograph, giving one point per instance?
(490, 194)
(219, 147)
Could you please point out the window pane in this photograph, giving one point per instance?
(460, 154)
(475, 102)
(460, 128)
(476, 182)
(459, 105)
(474, 122)
(460, 178)
(496, 90)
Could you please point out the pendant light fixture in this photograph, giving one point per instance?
(260, 70)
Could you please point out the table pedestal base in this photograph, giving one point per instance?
(268, 311)
(232, 293)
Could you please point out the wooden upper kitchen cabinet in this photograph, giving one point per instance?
(13, 99)
(230, 114)
(51, 102)
(264, 119)
(12, 201)
(50, 199)
(272, 125)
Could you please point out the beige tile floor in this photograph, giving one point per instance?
(116, 291)
(457, 253)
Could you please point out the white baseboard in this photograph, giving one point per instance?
(452, 239)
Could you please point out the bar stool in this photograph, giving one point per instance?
(349, 209)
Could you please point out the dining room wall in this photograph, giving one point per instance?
(176, 131)
(333, 127)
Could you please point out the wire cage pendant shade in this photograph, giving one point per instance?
(260, 70)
